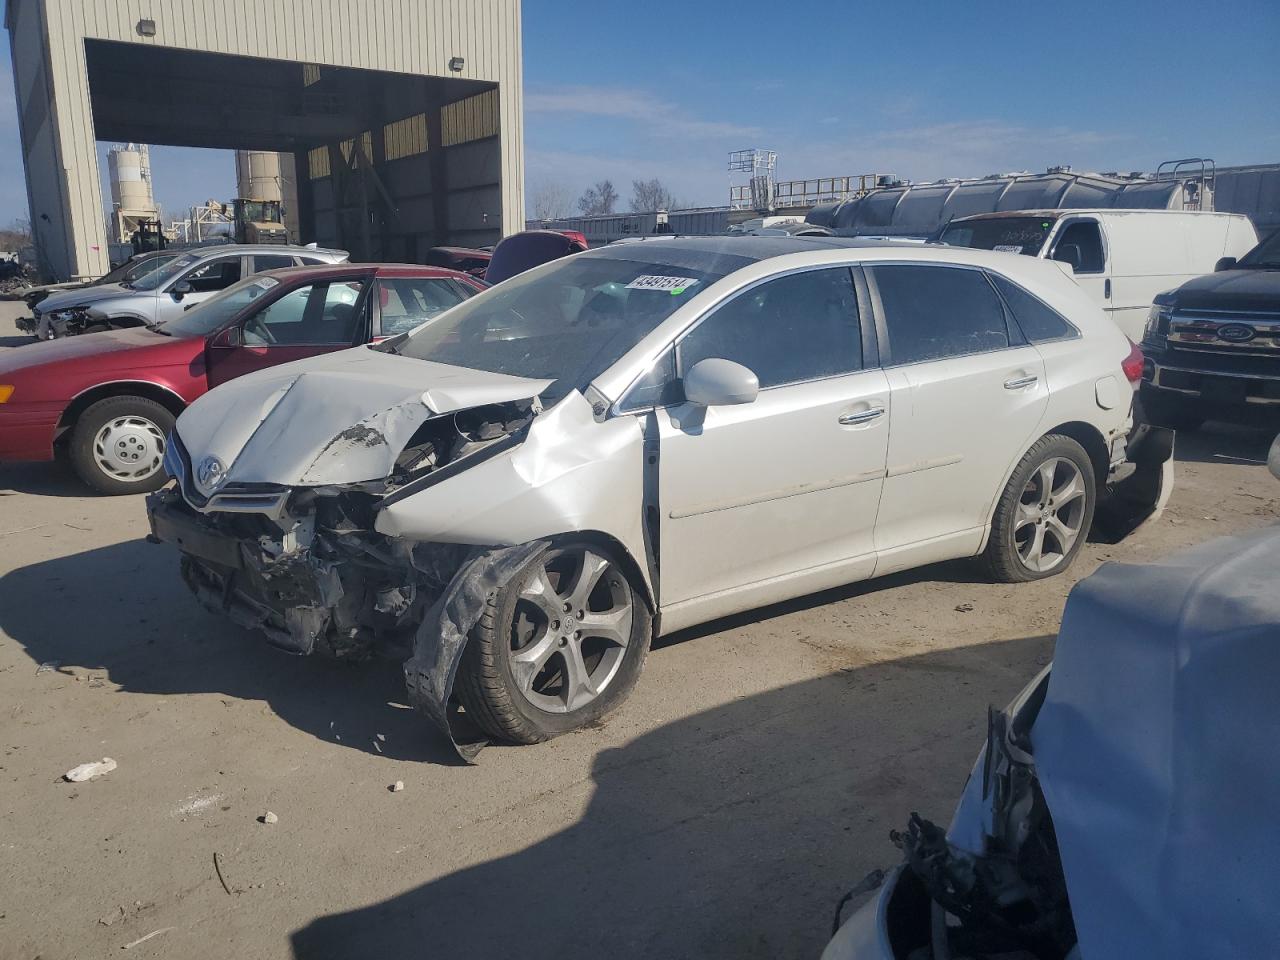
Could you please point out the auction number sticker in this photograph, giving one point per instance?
(1007, 248)
(666, 284)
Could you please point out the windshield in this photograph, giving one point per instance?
(567, 322)
(258, 211)
(208, 315)
(1265, 256)
(1003, 234)
(158, 278)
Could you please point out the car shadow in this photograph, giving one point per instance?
(17, 341)
(46, 479)
(1218, 442)
(729, 833)
(124, 610)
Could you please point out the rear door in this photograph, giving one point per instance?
(968, 394)
(319, 317)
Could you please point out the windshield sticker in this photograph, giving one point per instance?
(674, 285)
(1007, 248)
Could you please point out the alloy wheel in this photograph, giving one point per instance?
(1050, 514)
(571, 629)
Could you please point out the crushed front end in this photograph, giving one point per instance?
(304, 564)
(312, 575)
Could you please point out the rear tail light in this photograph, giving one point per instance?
(1132, 365)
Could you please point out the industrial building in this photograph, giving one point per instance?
(402, 118)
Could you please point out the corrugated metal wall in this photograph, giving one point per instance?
(401, 36)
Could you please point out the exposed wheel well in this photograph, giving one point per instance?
(131, 388)
(1089, 437)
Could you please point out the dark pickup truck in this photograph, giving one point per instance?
(1212, 346)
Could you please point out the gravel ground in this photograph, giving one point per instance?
(752, 777)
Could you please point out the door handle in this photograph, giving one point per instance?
(862, 416)
(1017, 383)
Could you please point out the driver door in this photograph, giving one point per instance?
(309, 320)
(776, 497)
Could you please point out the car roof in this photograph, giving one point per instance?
(722, 254)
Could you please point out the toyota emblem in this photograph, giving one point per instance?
(211, 472)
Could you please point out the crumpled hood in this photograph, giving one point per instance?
(1156, 752)
(88, 296)
(338, 418)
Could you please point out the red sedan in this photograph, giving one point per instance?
(111, 398)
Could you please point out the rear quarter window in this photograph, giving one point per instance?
(1038, 321)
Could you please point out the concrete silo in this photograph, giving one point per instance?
(129, 170)
(264, 176)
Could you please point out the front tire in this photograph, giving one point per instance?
(558, 647)
(1043, 516)
(117, 445)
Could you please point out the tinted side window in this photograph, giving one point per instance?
(937, 312)
(1038, 321)
(799, 327)
(270, 261)
(1081, 246)
(214, 275)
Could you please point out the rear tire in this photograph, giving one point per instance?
(1043, 516)
(558, 647)
(117, 445)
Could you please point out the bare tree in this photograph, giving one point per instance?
(549, 200)
(650, 195)
(598, 199)
(15, 236)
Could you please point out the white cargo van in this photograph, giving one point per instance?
(1122, 258)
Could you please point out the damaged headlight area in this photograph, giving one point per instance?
(306, 566)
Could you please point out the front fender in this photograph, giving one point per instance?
(571, 474)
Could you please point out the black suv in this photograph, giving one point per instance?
(1212, 345)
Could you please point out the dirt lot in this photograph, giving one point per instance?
(751, 779)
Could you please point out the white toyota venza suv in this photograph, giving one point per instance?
(523, 492)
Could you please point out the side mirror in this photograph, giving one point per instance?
(1224, 263)
(1069, 253)
(228, 337)
(181, 289)
(716, 382)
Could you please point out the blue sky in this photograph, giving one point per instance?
(664, 89)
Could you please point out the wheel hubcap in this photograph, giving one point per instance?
(1050, 515)
(571, 630)
(129, 449)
